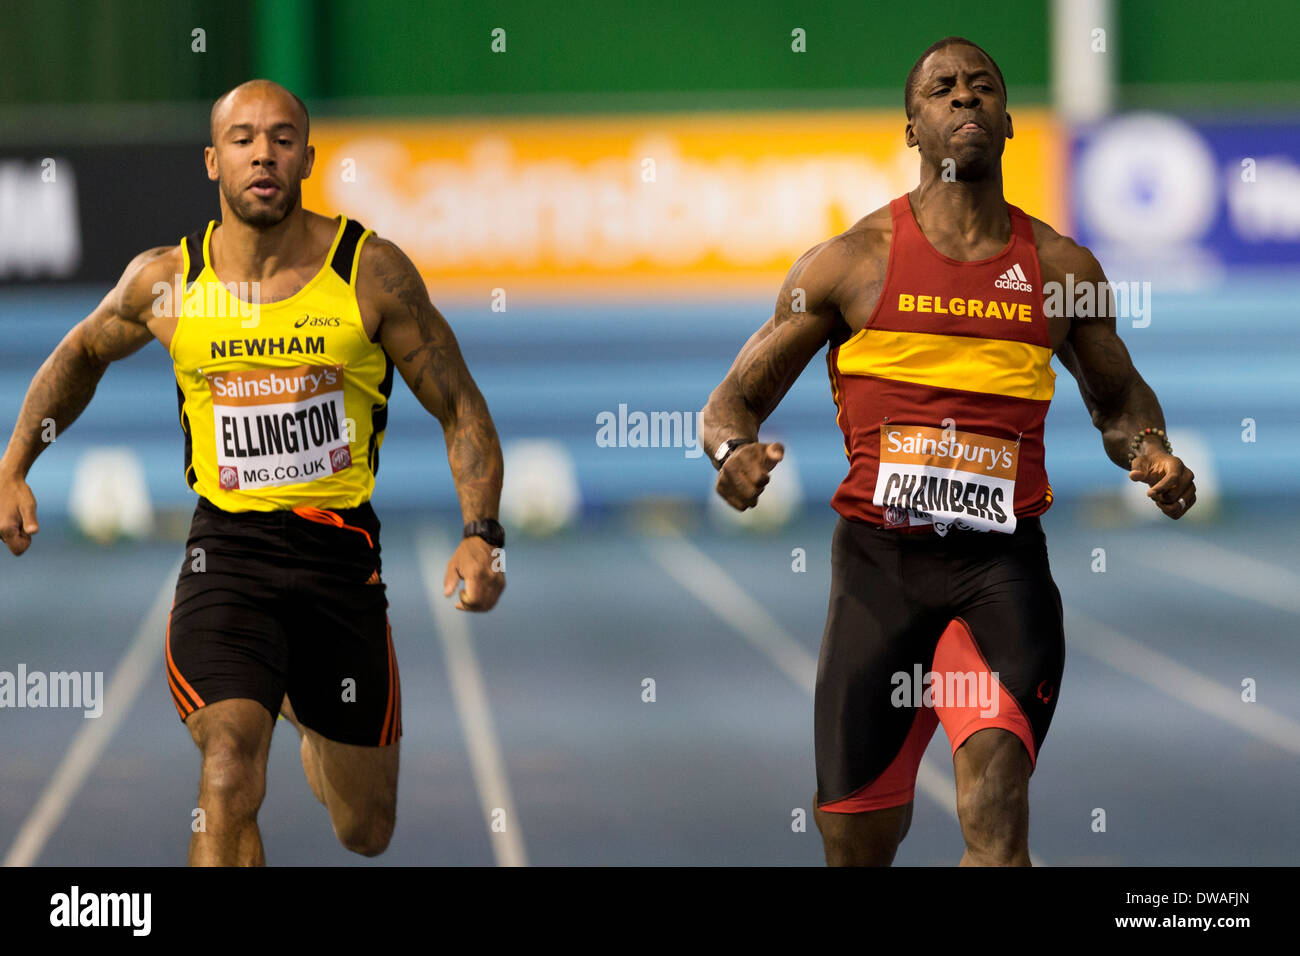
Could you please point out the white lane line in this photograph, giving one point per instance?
(142, 658)
(471, 703)
(1237, 574)
(718, 591)
(1180, 682)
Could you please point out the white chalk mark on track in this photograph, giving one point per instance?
(142, 659)
(471, 703)
(1141, 663)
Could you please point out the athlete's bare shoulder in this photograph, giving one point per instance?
(140, 307)
(386, 274)
(858, 258)
(870, 235)
(841, 264)
(1060, 255)
(151, 277)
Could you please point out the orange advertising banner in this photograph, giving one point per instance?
(654, 204)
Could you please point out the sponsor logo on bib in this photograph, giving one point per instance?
(946, 478)
(278, 426)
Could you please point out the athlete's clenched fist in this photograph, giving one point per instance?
(746, 473)
(17, 514)
(474, 563)
(1173, 487)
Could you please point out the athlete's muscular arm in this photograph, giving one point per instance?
(424, 349)
(1120, 401)
(66, 381)
(806, 317)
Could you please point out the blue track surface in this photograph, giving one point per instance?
(711, 772)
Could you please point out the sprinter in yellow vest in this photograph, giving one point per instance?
(284, 327)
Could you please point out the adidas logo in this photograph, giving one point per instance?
(1014, 278)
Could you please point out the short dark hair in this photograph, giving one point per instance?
(212, 114)
(909, 88)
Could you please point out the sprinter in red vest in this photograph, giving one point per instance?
(941, 334)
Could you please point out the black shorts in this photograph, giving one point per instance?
(964, 630)
(270, 603)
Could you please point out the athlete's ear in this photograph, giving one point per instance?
(309, 162)
(210, 161)
(909, 134)
(1011, 134)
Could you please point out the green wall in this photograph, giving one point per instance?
(103, 51)
(594, 46)
(435, 55)
(1216, 51)
(100, 51)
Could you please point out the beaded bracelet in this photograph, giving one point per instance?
(1136, 443)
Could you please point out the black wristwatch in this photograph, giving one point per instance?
(487, 529)
(725, 450)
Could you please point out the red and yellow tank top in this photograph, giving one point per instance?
(943, 394)
(283, 405)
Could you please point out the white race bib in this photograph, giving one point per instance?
(947, 478)
(279, 426)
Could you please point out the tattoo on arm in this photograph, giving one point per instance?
(760, 377)
(767, 365)
(430, 355)
(427, 354)
(60, 391)
(1120, 402)
(65, 383)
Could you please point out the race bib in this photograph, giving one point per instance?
(279, 426)
(947, 478)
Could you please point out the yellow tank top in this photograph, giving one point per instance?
(285, 404)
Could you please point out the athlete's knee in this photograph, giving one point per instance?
(843, 850)
(233, 774)
(862, 839)
(233, 751)
(994, 815)
(367, 833)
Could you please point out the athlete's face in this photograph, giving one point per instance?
(259, 155)
(959, 112)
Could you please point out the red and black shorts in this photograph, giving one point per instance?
(287, 602)
(964, 630)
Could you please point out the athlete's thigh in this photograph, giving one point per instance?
(359, 777)
(869, 732)
(343, 678)
(345, 692)
(1005, 651)
(224, 636)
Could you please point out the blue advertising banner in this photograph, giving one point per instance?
(1157, 193)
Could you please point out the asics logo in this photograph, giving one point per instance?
(318, 320)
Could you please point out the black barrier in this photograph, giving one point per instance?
(917, 908)
(80, 213)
